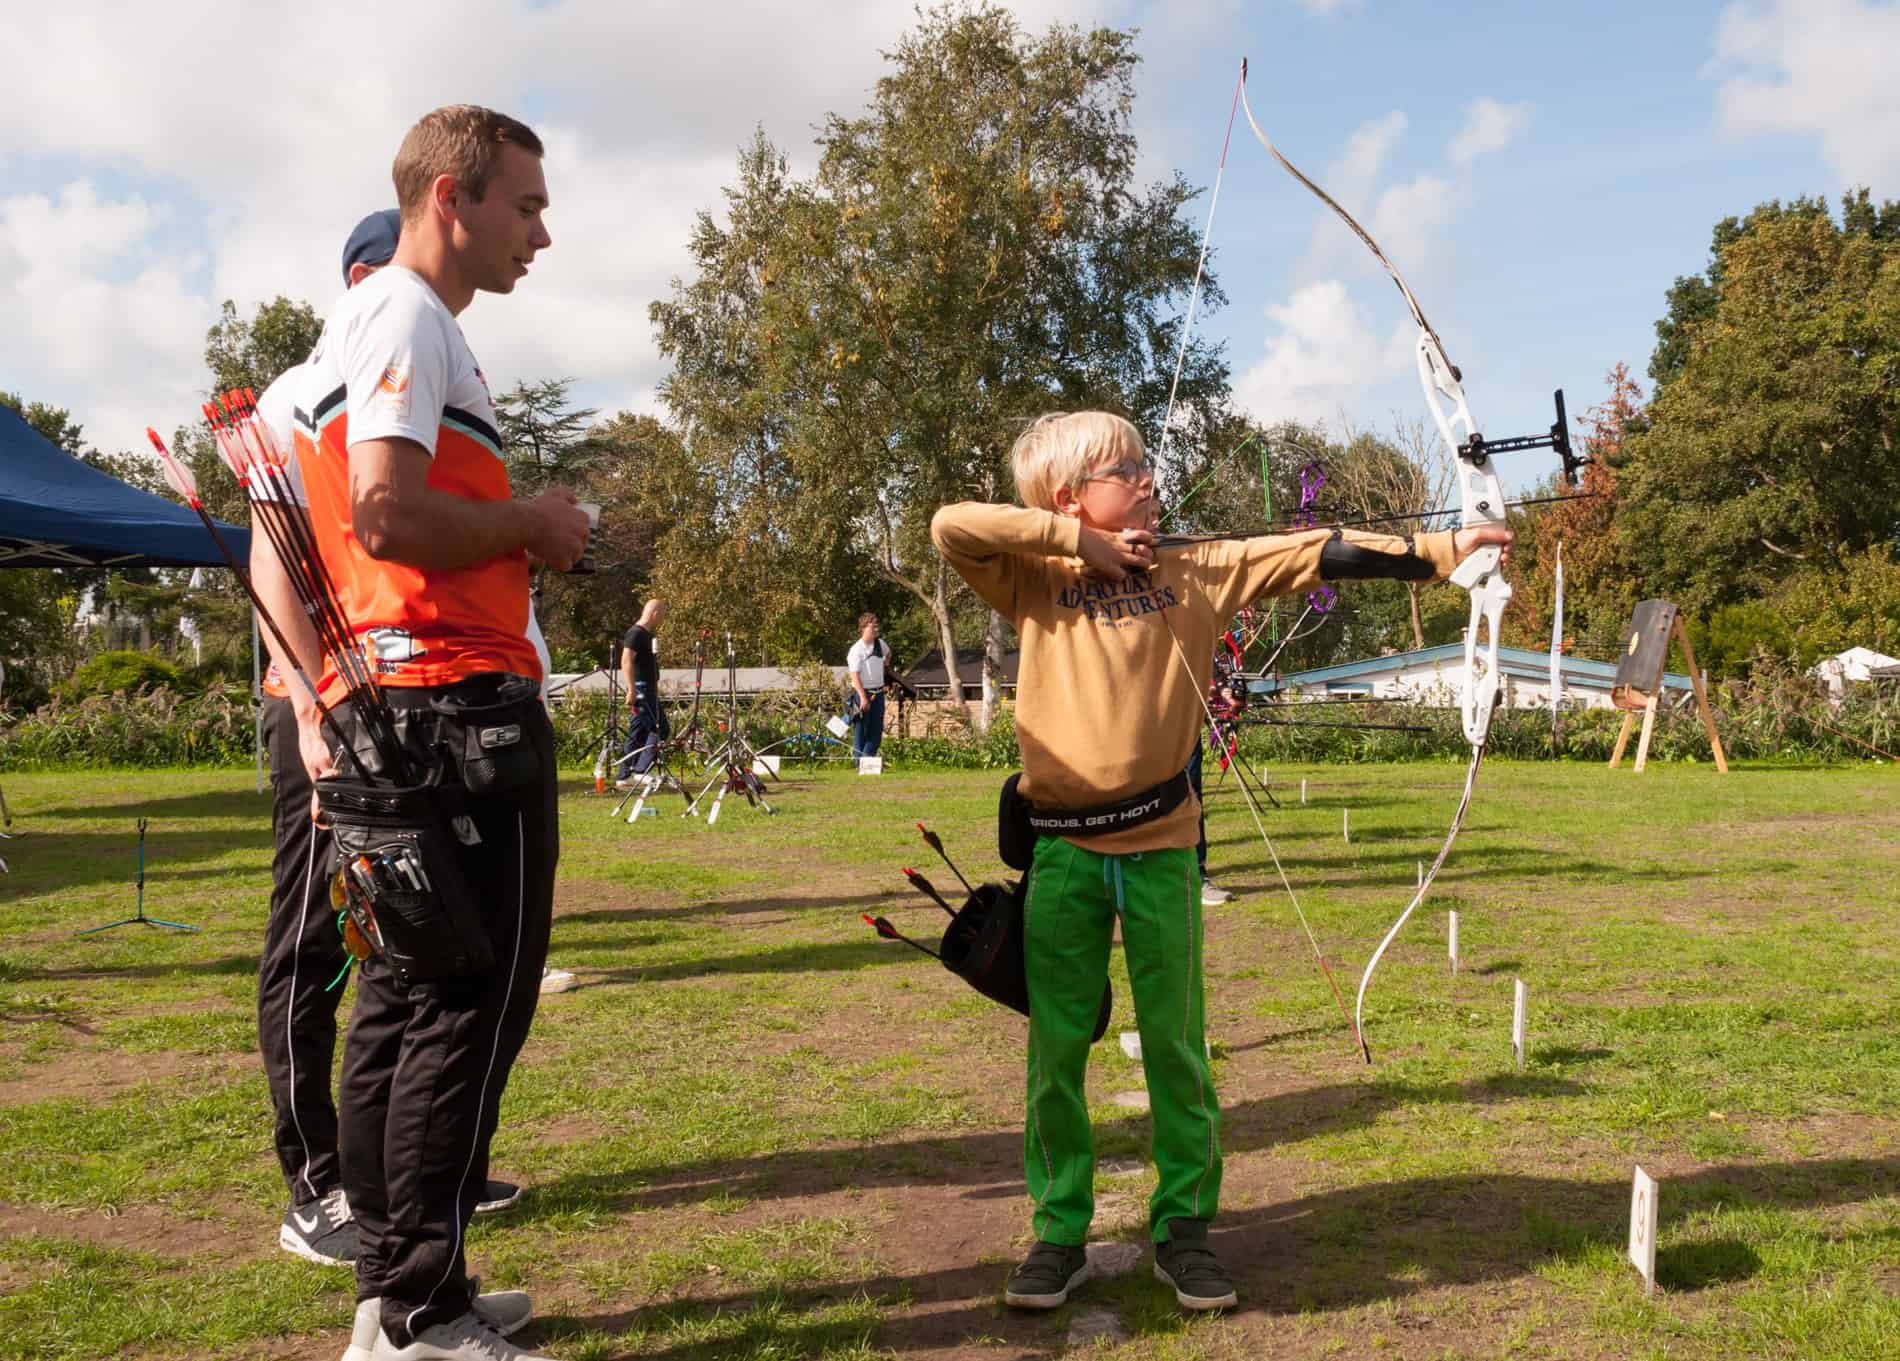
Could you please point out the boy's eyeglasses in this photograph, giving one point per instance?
(1130, 472)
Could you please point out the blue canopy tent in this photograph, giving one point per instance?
(58, 512)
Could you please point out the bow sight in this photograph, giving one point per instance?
(1476, 449)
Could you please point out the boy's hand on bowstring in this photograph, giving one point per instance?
(1468, 541)
(1113, 554)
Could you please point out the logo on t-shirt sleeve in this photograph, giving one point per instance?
(392, 389)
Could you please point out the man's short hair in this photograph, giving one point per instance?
(1059, 448)
(868, 617)
(461, 140)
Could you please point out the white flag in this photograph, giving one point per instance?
(1557, 638)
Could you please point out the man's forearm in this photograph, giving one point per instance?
(398, 517)
(272, 584)
(440, 531)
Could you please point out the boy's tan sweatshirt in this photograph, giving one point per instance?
(1104, 707)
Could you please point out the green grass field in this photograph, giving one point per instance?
(759, 1131)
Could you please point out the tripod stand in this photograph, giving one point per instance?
(1226, 743)
(734, 757)
(610, 739)
(138, 918)
(684, 750)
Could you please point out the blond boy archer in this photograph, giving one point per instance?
(1107, 716)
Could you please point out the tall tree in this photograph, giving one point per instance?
(545, 437)
(243, 353)
(1774, 443)
(1601, 579)
(972, 251)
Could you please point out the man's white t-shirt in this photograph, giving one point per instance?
(393, 364)
(867, 665)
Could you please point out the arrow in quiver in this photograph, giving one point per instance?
(983, 945)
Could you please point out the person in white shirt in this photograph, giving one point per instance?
(869, 661)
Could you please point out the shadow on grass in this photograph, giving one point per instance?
(1331, 1251)
(57, 861)
(740, 907)
(826, 957)
(211, 968)
(1696, 1266)
(991, 1163)
(212, 803)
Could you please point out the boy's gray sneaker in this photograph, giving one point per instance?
(1212, 894)
(1046, 1277)
(468, 1338)
(320, 1230)
(1190, 1266)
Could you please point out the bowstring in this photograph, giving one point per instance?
(1167, 425)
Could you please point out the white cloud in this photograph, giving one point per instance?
(1489, 127)
(1322, 356)
(1352, 181)
(262, 137)
(1821, 68)
(103, 312)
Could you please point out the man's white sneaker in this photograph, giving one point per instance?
(468, 1338)
(1212, 894)
(507, 1311)
(364, 1331)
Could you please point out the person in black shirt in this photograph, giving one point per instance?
(640, 674)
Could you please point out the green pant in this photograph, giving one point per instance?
(1068, 922)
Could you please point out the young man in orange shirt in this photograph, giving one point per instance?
(430, 553)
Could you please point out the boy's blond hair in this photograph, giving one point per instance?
(1058, 449)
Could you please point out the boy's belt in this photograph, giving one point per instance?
(1132, 811)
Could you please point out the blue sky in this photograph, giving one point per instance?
(1540, 173)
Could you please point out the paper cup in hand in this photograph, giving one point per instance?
(585, 567)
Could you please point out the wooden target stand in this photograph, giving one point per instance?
(1639, 679)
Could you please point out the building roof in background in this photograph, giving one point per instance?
(1520, 662)
(929, 671)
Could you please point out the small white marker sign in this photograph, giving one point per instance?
(1454, 944)
(1421, 874)
(837, 727)
(765, 765)
(1643, 1228)
(870, 765)
(1517, 1024)
(1345, 824)
(1302, 792)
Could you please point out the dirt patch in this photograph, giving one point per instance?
(224, 1236)
(99, 1074)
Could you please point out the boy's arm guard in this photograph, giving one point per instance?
(1343, 560)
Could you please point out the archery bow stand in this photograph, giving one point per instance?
(138, 917)
(734, 761)
(1639, 679)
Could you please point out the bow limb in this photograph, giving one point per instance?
(1424, 887)
(1481, 501)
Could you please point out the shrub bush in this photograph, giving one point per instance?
(1774, 713)
(113, 672)
(141, 728)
